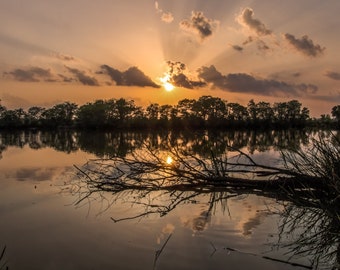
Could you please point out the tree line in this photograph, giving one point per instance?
(204, 112)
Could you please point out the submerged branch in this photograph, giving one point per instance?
(147, 170)
(308, 184)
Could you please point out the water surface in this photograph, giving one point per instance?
(43, 227)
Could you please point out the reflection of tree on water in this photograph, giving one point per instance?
(313, 232)
(3, 262)
(305, 235)
(313, 194)
(108, 144)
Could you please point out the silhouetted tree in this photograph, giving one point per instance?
(59, 115)
(206, 112)
(34, 115)
(13, 118)
(336, 114)
(92, 115)
(237, 112)
(211, 111)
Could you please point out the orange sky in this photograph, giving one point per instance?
(80, 50)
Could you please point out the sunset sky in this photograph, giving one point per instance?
(82, 50)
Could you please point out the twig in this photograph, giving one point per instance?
(269, 258)
(1, 257)
(158, 252)
(215, 249)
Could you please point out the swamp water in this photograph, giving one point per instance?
(44, 226)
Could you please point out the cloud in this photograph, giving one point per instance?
(37, 74)
(248, 40)
(332, 97)
(82, 77)
(304, 45)
(333, 75)
(65, 79)
(237, 48)
(199, 25)
(63, 57)
(131, 77)
(247, 18)
(166, 17)
(285, 75)
(177, 76)
(245, 83)
(262, 46)
(31, 74)
(13, 101)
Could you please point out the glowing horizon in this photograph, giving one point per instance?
(51, 53)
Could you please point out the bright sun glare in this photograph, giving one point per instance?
(169, 160)
(166, 84)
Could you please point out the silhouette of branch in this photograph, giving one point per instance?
(308, 183)
(2, 255)
(159, 252)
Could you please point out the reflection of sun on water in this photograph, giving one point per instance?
(169, 160)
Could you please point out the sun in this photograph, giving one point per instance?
(169, 160)
(166, 83)
(168, 86)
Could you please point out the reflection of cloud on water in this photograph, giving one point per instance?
(248, 213)
(167, 230)
(37, 174)
(200, 223)
(242, 215)
(197, 223)
(253, 222)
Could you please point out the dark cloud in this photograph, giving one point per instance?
(256, 25)
(248, 40)
(131, 77)
(237, 48)
(134, 76)
(178, 77)
(82, 77)
(245, 83)
(284, 75)
(333, 97)
(304, 45)
(63, 57)
(262, 46)
(199, 25)
(333, 75)
(31, 74)
(65, 79)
